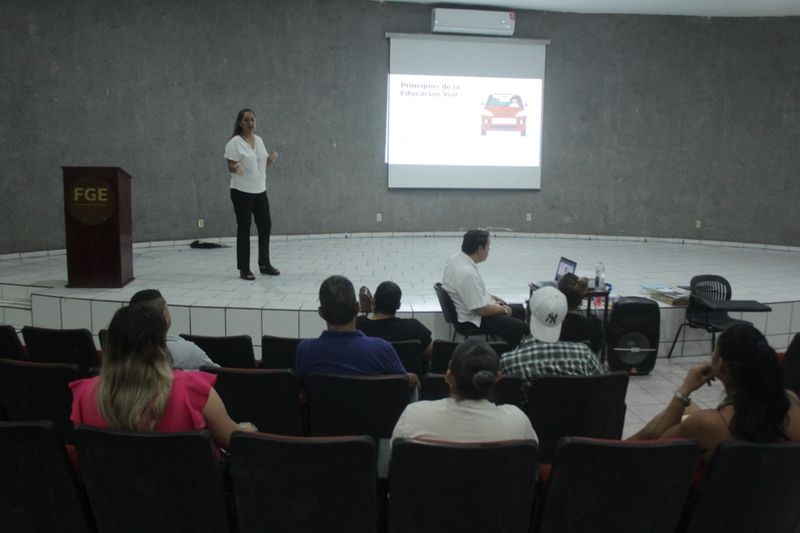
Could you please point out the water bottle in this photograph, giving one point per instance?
(602, 276)
(597, 276)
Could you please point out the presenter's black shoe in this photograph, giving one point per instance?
(269, 270)
(246, 274)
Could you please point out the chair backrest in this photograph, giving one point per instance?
(618, 486)
(441, 353)
(38, 486)
(749, 487)
(74, 346)
(152, 481)
(10, 345)
(270, 399)
(235, 351)
(433, 387)
(410, 354)
(476, 487)
(710, 287)
(39, 391)
(446, 303)
(278, 352)
(304, 485)
(356, 405)
(790, 366)
(508, 390)
(576, 406)
(500, 347)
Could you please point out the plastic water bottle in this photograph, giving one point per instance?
(597, 276)
(602, 276)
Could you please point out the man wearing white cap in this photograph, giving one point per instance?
(541, 353)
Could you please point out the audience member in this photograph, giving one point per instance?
(541, 353)
(475, 307)
(467, 415)
(185, 355)
(577, 327)
(342, 349)
(138, 390)
(384, 324)
(756, 407)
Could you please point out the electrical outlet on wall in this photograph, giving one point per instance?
(201, 223)
(698, 224)
(528, 217)
(378, 217)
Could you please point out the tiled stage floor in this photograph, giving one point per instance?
(207, 297)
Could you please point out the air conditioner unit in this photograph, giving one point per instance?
(446, 20)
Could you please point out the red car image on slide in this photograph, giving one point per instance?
(504, 112)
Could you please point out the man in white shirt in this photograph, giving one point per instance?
(185, 355)
(476, 308)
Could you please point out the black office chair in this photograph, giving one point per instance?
(708, 287)
(576, 406)
(451, 316)
(463, 487)
(268, 398)
(749, 487)
(278, 352)
(410, 354)
(235, 351)
(152, 481)
(71, 346)
(304, 485)
(39, 490)
(605, 485)
(10, 345)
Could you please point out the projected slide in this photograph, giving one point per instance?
(460, 120)
(464, 112)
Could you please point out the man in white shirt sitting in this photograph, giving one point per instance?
(185, 355)
(476, 308)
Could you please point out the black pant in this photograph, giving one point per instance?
(510, 328)
(257, 205)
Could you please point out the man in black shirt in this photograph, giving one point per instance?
(384, 324)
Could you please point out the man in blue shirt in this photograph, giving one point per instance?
(342, 349)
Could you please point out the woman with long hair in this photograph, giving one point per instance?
(137, 389)
(467, 415)
(756, 407)
(248, 160)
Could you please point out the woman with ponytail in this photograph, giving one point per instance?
(467, 415)
(138, 390)
(756, 407)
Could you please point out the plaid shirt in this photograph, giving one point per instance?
(534, 358)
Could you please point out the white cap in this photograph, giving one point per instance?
(548, 308)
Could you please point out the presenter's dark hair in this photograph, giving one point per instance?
(474, 239)
(150, 298)
(337, 300)
(387, 298)
(574, 288)
(474, 366)
(759, 400)
(237, 129)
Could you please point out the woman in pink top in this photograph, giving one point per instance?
(138, 390)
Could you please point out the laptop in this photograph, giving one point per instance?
(565, 266)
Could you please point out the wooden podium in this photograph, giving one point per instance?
(97, 220)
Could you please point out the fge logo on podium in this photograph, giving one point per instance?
(90, 201)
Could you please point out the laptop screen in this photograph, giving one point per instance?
(565, 266)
